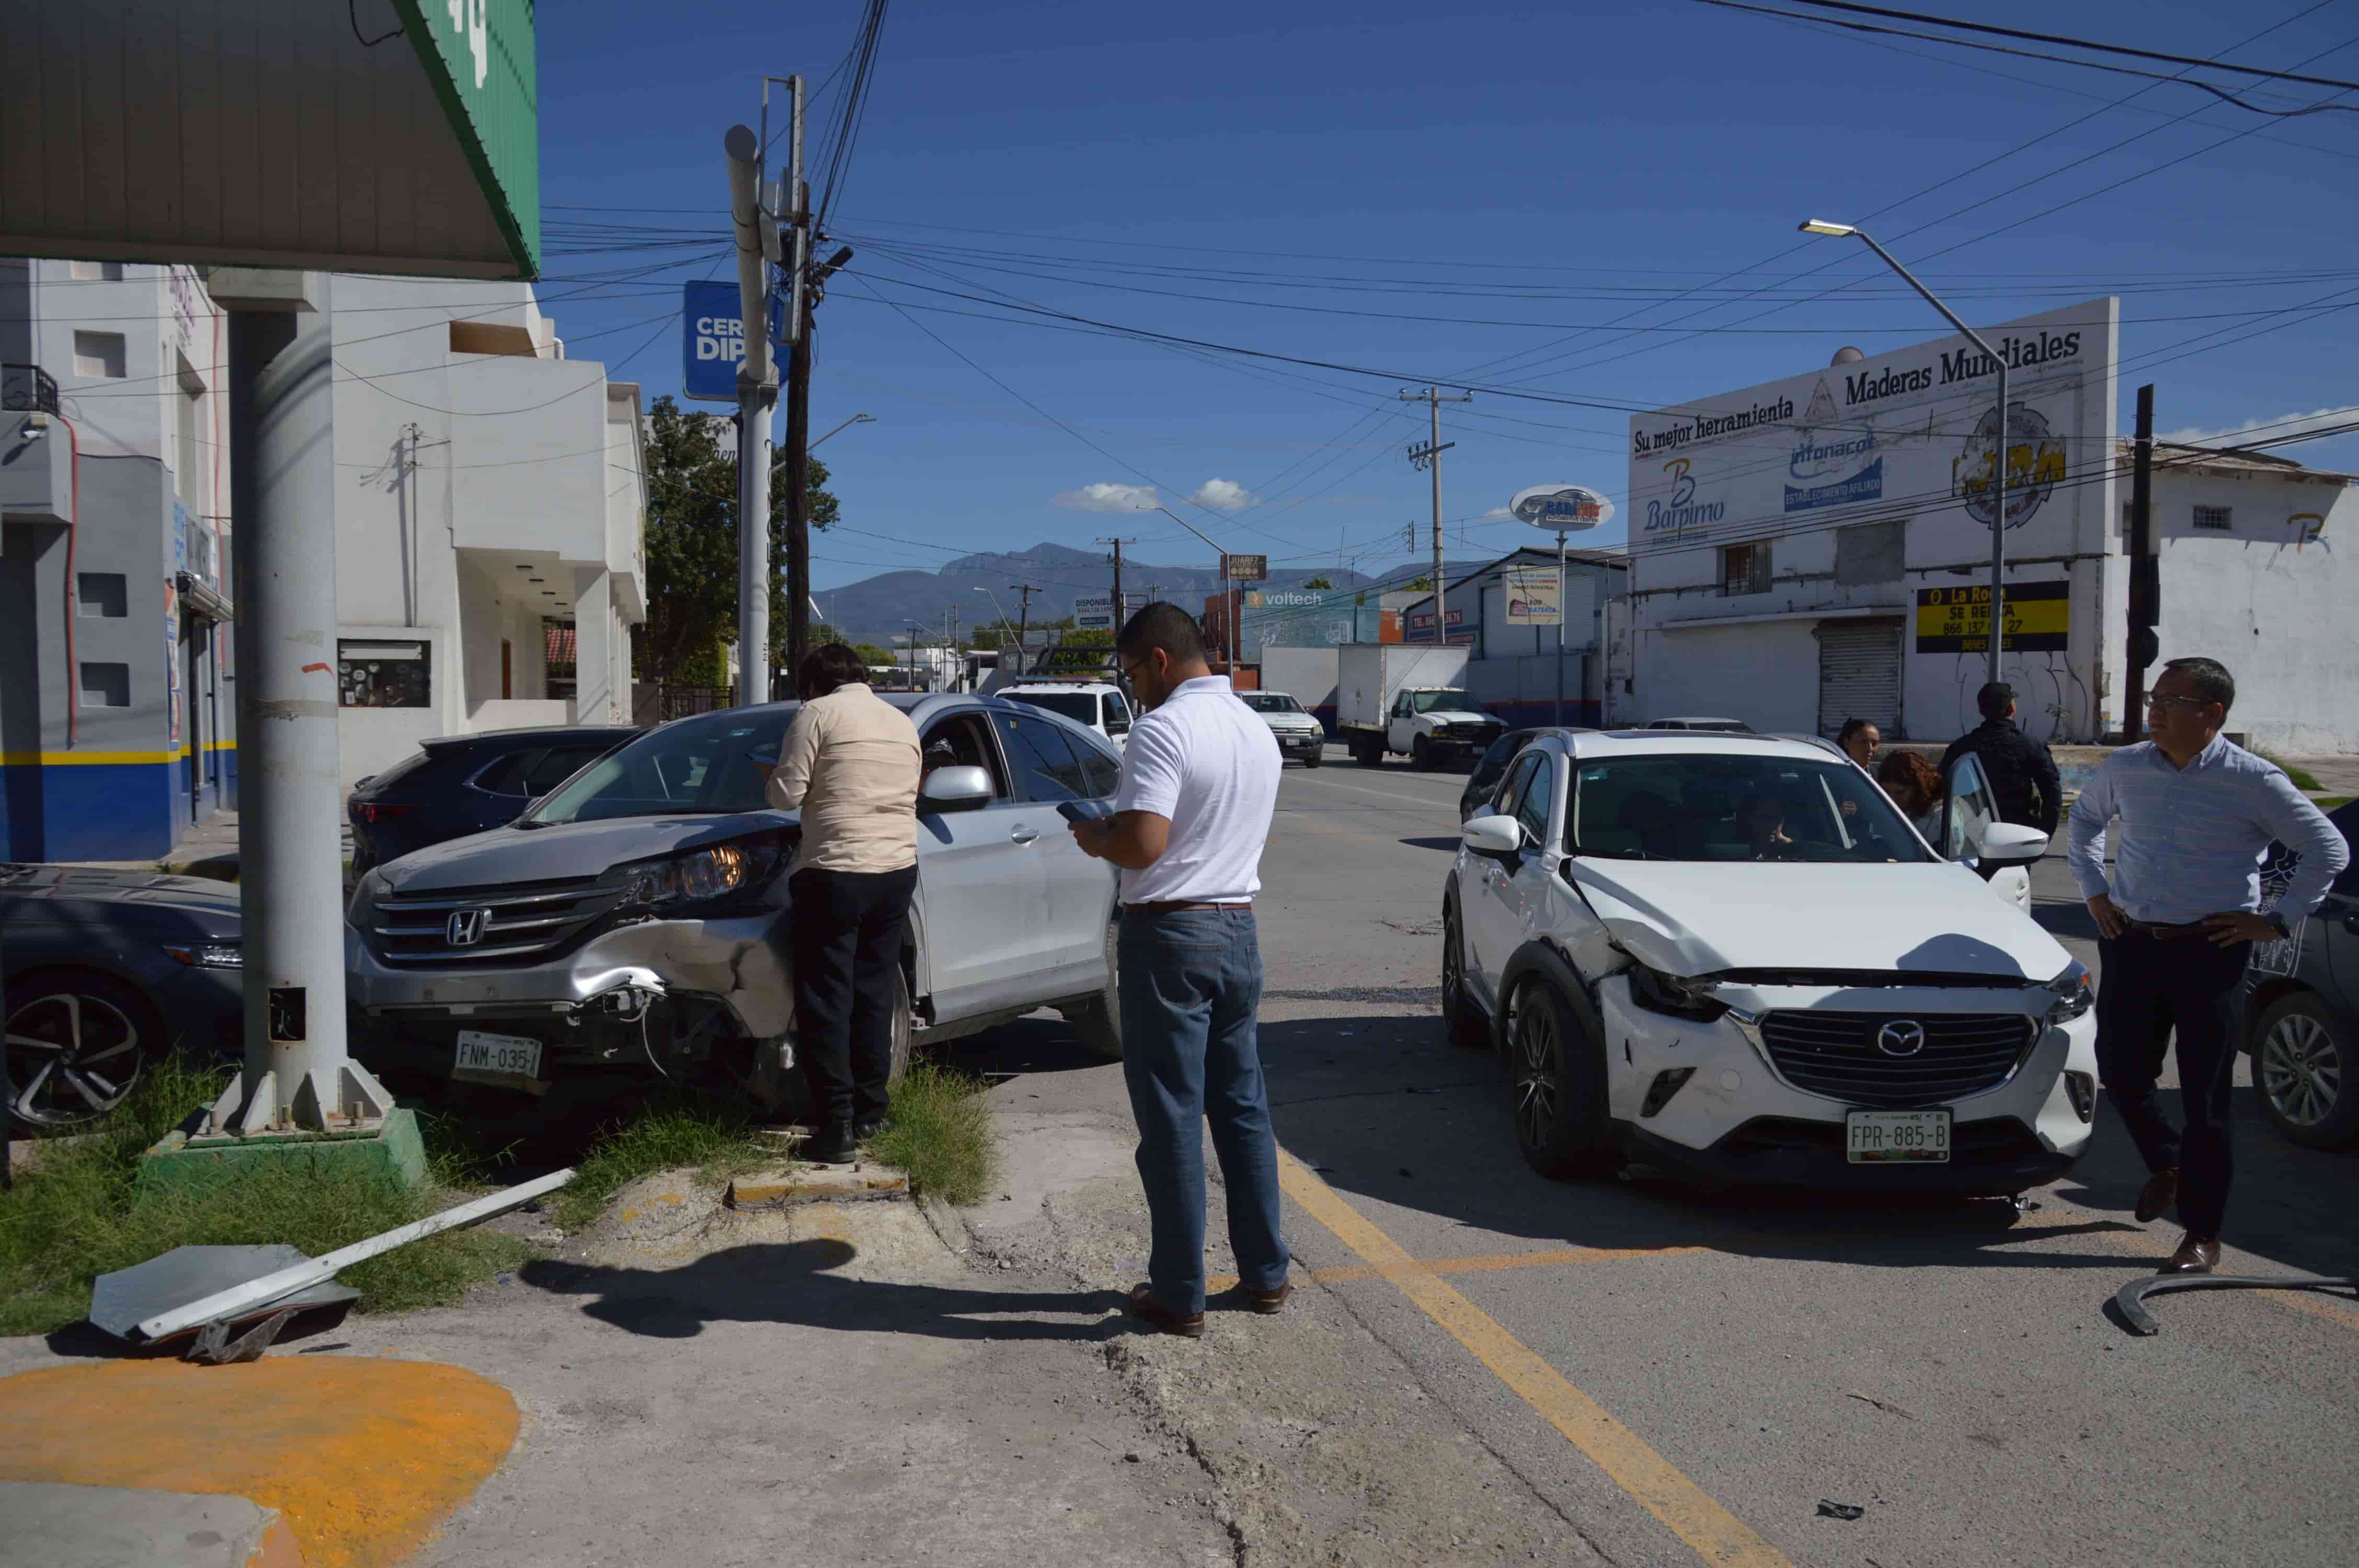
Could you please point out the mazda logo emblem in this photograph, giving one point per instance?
(465, 926)
(1901, 1037)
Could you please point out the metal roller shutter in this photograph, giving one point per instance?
(1859, 673)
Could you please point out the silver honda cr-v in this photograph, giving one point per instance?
(635, 918)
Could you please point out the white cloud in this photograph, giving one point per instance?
(1107, 498)
(2283, 424)
(1222, 495)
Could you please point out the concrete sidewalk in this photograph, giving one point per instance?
(54, 1526)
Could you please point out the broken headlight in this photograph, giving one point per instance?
(722, 874)
(2074, 993)
(1672, 996)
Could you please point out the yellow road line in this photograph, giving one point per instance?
(1715, 1534)
(1552, 1257)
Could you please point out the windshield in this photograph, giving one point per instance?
(1081, 707)
(1437, 701)
(1270, 702)
(1735, 808)
(712, 763)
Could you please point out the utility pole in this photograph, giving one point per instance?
(2146, 585)
(1118, 544)
(795, 244)
(1022, 618)
(1428, 457)
(757, 394)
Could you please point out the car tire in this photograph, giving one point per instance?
(904, 1025)
(1366, 752)
(1462, 1022)
(1422, 755)
(1313, 760)
(1559, 1086)
(85, 1039)
(2302, 1057)
(1097, 1023)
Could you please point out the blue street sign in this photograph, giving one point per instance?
(713, 342)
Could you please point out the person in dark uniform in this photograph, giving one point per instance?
(2016, 764)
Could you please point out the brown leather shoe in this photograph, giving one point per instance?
(1147, 1310)
(2158, 1196)
(1267, 1302)
(2196, 1255)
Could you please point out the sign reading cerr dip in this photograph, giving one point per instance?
(1957, 620)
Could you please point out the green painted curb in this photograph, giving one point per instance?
(397, 1152)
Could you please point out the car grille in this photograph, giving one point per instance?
(1836, 1054)
(519, 920)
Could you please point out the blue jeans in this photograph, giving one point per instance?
(1191, 984)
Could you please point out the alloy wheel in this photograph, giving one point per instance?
(1535, 1073)
(1454, 976)
(72, 1058)
(2301, 1069)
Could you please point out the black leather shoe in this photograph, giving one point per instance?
(2158, 1196)
(867, 1128)
(831, 1147)
(2196, 1255)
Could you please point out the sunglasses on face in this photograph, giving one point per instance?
(2152, 702)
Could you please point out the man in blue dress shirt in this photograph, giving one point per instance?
(2177, 922)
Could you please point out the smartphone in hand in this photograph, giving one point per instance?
(1083, 810)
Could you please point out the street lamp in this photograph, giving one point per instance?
(1236, 641)
(855, 419)
(917, 629)
(1998, 430)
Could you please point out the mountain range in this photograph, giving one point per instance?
(978, 587)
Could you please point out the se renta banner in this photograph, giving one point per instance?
(713, 342)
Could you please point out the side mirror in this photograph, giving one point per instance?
(963, 788)
(1493, 835)
(2011, 843)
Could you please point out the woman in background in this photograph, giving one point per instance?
(1915, 789)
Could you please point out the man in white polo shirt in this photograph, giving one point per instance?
(1198, 782)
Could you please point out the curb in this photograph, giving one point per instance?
(785, 1189)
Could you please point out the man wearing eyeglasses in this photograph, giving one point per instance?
(1198, 786)
(2178, 919)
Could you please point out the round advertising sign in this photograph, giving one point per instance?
(1561, 508)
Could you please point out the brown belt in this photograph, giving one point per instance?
(1178, 906)
(2167, 933)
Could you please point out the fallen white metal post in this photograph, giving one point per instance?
(300, 1276)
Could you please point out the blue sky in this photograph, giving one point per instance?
(1559, 170)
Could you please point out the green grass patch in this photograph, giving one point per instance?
(78, 1214)
(2302, 777)
(2331, 801)
(942, 1134)
(716, 1142)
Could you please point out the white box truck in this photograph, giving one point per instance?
(1398, 697)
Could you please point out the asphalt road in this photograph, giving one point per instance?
(1943, 1365)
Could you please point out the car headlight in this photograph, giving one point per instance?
(1672, 996)
(717, 873)
(2074, 993)
(208, 955)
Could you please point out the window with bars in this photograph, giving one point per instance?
(1744, 568)
(2214, 519)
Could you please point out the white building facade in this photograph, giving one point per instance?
(490, 514)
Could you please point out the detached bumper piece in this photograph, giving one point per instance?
(2129, 1302)
(1995, 1155)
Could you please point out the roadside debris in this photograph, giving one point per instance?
(1839, 1510)
(2129, 1302)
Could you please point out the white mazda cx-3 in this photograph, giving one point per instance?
(1733, 955)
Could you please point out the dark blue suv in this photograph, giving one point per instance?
(458, 785)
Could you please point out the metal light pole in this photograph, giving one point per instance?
(1563, 596)
(1224, 582)
(1998, 431)
(757, 394)
(855, 419)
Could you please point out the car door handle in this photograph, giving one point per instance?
(1022, 833)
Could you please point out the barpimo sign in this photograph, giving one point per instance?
(1566, 508)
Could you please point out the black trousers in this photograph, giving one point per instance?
(2150, 990)
(847, 942)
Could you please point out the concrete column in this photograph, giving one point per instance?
(593, 655)
(283, 495)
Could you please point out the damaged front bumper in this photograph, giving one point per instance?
(651, 996)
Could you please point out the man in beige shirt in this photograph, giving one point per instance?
(850, 762)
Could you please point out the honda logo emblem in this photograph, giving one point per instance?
(1901, 1037)
(465, 926)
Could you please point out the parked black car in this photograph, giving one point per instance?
(460, 784)
(2302, 1019)
(1492, 765)
(108, 969)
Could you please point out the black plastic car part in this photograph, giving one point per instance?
(2129, 1302)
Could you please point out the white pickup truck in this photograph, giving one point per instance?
(1393, 697)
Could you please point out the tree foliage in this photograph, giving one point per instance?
(691, 540)
(1320, 582)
